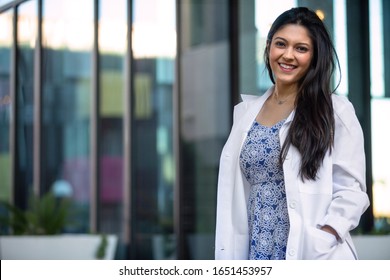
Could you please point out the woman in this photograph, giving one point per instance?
(292, 172)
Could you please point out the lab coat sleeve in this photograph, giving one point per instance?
(349, 198)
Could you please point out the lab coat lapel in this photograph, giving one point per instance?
(245, 117)
(252, 109)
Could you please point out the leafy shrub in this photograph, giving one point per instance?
(45, 215)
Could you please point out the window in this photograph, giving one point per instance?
(67, 44)
(6, 42)
(27, 24)
(380, 112)
(154, 53)
(205, 118)
(112, 82)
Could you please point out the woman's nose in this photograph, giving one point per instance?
(288, 54)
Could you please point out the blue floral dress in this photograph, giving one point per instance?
(267, 207)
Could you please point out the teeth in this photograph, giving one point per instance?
(287, 66)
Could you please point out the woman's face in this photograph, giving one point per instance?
(290, 54)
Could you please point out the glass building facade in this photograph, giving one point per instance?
(124, 107)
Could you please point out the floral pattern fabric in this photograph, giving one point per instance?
(267, 207)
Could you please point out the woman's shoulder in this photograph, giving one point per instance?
(242, 106)
(344, 111)
(248, 97)
(342, 104)
(247, 101)
(340, 100)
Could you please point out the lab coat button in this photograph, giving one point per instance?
(291, 252)
(293, 204)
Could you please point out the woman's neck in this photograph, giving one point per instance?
(284, 93)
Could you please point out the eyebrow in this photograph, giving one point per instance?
(300, 43)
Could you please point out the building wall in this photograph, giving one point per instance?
(125, 108)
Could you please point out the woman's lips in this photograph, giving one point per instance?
(287, 67)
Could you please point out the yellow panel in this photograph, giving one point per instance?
(112, 104)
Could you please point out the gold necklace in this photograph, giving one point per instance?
(281, 102)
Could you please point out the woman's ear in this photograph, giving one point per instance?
(266, 51)
(267, 46)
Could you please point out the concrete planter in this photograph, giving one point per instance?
(55, 247)
(372, 247)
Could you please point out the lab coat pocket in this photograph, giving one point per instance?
(318, 244)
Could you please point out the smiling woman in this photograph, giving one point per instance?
(300, 181)
(131, 103)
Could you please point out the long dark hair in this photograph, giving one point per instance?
(312, 129)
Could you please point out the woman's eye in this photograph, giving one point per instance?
(279, 44)
(302, 49)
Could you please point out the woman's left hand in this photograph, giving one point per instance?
(330, 230)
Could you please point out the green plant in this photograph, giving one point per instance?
(101, 251)
(45, 215)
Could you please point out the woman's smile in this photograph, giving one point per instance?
(287, 67)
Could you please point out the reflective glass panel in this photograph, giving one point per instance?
(3, 2)
(67, 28)
(154, 53)
(205, 117)
(26, 42)
(6, 40)
(112, 51)
(380, 112)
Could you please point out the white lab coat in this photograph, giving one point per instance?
(337, 198)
